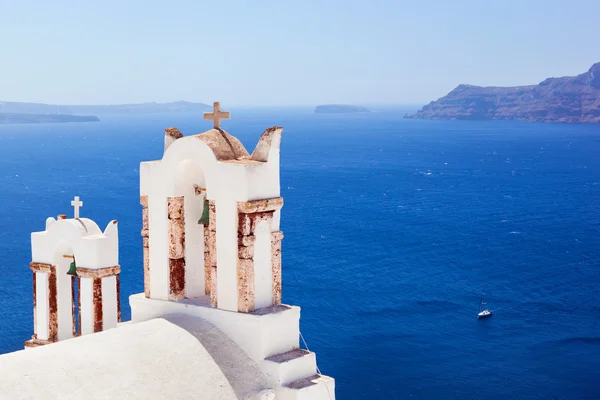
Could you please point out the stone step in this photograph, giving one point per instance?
(290, 366)
(316, 387)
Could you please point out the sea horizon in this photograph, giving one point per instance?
(393, 228)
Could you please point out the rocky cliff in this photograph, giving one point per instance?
(567, 99)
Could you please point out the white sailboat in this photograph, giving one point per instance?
(485, 312)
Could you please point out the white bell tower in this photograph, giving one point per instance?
(75, 278)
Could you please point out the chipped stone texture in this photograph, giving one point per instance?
(118, 279)
(177, 279)
(79, 304)
(209, 248)
(35, 342)
(224, 146)
(270, 139)
(171, 135)
(213, 286)
(246, 240)
(276, 236)
(100, 272)
(245, 273)
(145, 224)
(249, 207)
(176, 207)
(146, 244)
(147, 272)
(73, 305)
(174, 133)
(97, 301)
(52, 306)
(245, 224)
(40, 267)
(207, 278)
(276, 266)
(212, 216)
(176, 238)
(246, 253)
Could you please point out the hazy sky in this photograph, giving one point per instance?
(302, 52)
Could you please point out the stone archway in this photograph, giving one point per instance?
(189, 258)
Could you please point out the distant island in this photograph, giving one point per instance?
(141, 108)
(339, 108)
(14, 112)
(21, 118)
(571, 99)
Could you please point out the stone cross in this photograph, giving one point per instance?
(217, 115)
(76, 204)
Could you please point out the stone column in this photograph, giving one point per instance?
(146, 244)
(276, 238)
(45, 306)
(210, 254)
(100, 288)
(97, 302)
(176, 248)
(250, 214)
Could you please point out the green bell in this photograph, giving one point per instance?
(72, 269)
(205, 214)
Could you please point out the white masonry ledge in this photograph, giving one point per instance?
(261, 334)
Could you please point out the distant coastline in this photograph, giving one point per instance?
(21, 113)
(18, 118)
(570, 99)
(339, 109)
(140, 108)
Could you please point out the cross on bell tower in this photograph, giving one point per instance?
(76, 204)
(217, 115)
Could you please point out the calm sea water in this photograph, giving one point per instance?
(392, 229)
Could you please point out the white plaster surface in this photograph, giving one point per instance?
(41, 298)
(178, 358)
(159, 247)
(260, 336)
(92, 248)
(86, 295)
(263, 270)
(109, 302)
(64, 291)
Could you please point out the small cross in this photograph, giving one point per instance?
(76, 203)
(217, 115)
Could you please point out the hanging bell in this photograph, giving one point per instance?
(205, 213)
(72, 269)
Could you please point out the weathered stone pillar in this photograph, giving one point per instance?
(74, 305)
(97, 302)
(146, 244)
(276, 238)
(52, 305)
(250, 215)
(45, 306)
(210, 254)
(100, 287)
(176, 248)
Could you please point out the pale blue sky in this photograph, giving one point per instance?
(286, 52)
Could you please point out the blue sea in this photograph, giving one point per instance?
(393, 228)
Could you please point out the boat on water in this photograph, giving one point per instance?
(486, 312)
